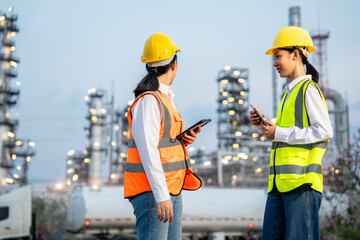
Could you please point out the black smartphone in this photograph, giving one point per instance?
(200, 123)
(260, 117)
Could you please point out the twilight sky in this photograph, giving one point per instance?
(66, 47)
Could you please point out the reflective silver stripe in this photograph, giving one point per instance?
(322, 145)
(166, 140)
(131, 143)
(299, 102)
(167, 167)
(295, 169)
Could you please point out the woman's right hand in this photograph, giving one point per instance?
(165, 211)
(254, 119)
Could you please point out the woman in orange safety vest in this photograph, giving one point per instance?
(158, 165)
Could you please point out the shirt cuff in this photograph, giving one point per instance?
(161, 195)
(280, 134)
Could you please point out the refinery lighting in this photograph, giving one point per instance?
(130, 102)
(95, 187)
(236, 73)
(10, 134)
(71, 152)
(75, 177)
(31, 144)
(18, 83)
(9, 180)
(59, 186)
(28, 158)
(192, 161)
(227, 68)
(117, 128)
(224, 81)
(207, 163)
(2, 18)
(91, 90)
(86, 160)
(238, 133)
(13, 63)
(92, 111)
(191, 149)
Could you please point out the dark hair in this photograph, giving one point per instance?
(150, 81)
(309, 68)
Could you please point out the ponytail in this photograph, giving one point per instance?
(309, 68)
(150, 81)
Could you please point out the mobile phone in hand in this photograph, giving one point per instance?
(262, 120)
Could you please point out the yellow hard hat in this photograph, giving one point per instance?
(292, 37)
(159, 47)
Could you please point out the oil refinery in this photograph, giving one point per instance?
(231, 202)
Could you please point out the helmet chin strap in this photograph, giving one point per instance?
(304, 51)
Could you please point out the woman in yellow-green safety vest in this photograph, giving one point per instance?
(300, 135)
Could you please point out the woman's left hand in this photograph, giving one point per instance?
(269, 131)
(190, 137)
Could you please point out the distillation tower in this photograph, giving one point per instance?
(15, 153)
(243, 153)
(86, 166)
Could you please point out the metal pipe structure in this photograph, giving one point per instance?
(294, 16)
(97, 135)
(340, 112)
(7, 94)
(121, 136)
(14, 153)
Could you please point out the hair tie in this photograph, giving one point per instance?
(154, 70)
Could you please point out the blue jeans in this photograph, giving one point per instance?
(148, 226)
(292, 215)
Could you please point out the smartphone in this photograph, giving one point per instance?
(200, 123)
(260, 117)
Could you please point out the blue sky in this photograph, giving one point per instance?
(67, 47)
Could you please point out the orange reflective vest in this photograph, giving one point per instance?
(173, 155)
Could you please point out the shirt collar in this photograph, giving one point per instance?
(166, 90)
(290, 86)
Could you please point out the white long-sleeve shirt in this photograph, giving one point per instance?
(146, 122)
(320, 126)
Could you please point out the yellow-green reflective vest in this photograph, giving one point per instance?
(293, 165)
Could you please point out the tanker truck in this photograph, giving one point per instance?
(104, 211)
